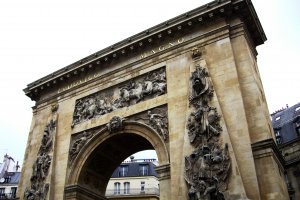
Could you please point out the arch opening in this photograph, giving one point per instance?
(98, 160)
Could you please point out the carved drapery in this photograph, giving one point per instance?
(156, 118)
(131, 92)
(39, 188)
(207, 168)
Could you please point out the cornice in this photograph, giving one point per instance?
(178, 25)
(268, 144)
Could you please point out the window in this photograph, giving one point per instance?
(142, 186)
(144, 170)
(13, 192)
(278, 137)
(117, 188)
(2, 193)
(126, 188)
(297, 128)
(123, 170)
(277, 118)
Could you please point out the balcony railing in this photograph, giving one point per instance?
(133, 191)
(7, 196)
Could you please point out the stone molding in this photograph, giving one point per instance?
(268, 148)
(163, 172)
(208, 12)
(79, 192)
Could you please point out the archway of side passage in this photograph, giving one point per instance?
(91, 170)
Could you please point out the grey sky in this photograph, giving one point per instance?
(39, 37)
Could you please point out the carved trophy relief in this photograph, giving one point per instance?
(40, 169)
(129, 93)
(208, 167)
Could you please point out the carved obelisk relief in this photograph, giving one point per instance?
(207, 168)
(40, 181)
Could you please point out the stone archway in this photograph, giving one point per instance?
(91, 170)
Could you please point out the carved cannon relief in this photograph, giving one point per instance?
(129, 93)
(207, 168)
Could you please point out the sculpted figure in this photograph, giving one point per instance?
(156, 120)
(201, 85)
(78, 144)
(115, 124)
(137, 92)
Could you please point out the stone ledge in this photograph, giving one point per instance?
(267, 148)
(163, 172)
(78, 192)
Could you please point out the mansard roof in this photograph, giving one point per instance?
(134, 169)
(286, 116)
(284, 122)
(178, 25)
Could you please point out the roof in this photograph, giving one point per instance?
(176, 26)
(134, 169)
(285, 116)
(284, 121)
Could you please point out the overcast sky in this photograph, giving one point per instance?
(40, 37)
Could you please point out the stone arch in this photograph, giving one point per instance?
(91, 170)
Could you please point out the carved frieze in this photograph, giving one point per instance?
(207, 168)
(39, 189)
(129, 93)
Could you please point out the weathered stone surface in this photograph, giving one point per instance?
(224, 110)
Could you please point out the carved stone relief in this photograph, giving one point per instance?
(40, 169)
(157, 118)
(115, 124)
(141, 88)
(207, 168)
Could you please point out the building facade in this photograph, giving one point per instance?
(9, 178)
(134, 179)
(286, 125)
(188, 88)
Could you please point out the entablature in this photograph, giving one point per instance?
(135, 46)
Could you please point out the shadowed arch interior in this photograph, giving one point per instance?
(98, 168)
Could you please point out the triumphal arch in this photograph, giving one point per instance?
(188, 88)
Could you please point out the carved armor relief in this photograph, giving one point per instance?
(144, 87)
(156, 118)
(207, 167)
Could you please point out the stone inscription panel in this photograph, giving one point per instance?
(139, 89)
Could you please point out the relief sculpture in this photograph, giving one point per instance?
(40, 169)
(207, 168)
(157, 118)
(139, 89)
